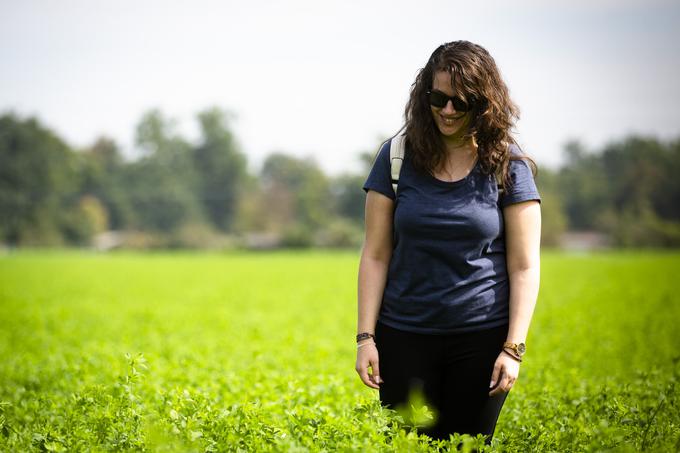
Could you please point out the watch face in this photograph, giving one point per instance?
(521, 348)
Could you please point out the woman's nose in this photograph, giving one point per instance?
(448, 108)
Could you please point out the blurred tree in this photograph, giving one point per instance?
(629, 190)
(349, 197)
(103, 172)
(666, 194)
(347, 189)
(633, 167)
(296, 190)
(221, 169)
(38, 177)
(583, 186)
(251, 214)
(84, 219)
(641, 171)
(553, 218)
(162, 184)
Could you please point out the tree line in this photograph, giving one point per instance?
(179, 193)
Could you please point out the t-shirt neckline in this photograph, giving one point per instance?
(457, 182)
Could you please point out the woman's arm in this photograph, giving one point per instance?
(375, 259)
(522, 246)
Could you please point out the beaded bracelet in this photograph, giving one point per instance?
(363, 344)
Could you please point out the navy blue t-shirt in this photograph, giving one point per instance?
(448, 272)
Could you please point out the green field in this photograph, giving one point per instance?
(255, 352)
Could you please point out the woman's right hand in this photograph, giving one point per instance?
(367, 356)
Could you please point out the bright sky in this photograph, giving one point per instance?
(328, 78)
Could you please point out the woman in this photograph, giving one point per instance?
(449, 272)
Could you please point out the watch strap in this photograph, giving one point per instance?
(519, 348)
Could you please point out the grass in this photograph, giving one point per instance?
(255, 352)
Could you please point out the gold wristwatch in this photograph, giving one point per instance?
(519, 348)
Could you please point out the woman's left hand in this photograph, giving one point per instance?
(505, 372)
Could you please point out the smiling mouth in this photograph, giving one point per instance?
(450, 121)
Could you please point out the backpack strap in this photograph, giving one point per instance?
(396, 159)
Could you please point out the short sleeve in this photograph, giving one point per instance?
(379, 178)
(523, 185)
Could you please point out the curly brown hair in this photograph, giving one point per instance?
(475, 77)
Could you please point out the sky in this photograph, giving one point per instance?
(327, 80)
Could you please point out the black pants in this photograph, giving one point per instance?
(452, 372)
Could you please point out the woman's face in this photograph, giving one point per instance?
(451, 123)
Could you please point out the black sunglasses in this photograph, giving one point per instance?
(439, 100)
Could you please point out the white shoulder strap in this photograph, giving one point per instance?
(396, 159)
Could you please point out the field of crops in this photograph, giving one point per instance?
(255, 352)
